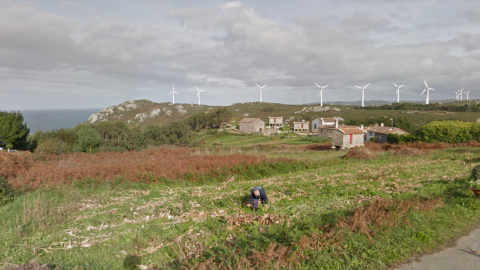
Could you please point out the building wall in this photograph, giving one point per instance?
(259, 126)
(246, 127)
(325, 133)
(342, 141)
(380, 138)
(277, 123)
(298, 126)
(316, 123)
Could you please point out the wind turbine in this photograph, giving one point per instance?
(467, 93)
(173, 94)
(261, 87)
(321, 95)
(458, 95)
(198, 94)
(460, 92)
(428, 92)
(363, 92)
(398, 92)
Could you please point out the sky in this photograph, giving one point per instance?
(93, 54)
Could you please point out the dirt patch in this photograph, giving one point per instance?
(410, 152)
(320, 146)
(266, 219)
(418, 145)
(361, 153)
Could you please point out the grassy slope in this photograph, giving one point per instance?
(254, 109)
(112, 225)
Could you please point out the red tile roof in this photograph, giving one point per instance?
(350, 130)
(249, 120)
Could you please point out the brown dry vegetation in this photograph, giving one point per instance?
(366, 220)
(361, 153)
(33, 171)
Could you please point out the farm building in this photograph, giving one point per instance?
(381, 132)
(317, 122)
(347, 137)
(275, 122)
(300, 126)
(251, 125)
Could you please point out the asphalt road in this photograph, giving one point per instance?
(465, 256)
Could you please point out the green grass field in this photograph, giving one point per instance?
(113, 225)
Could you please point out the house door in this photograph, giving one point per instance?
(314, 126)
(351, 136)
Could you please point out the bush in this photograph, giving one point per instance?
(399, 138)
(7, 194)
(476, 172)
(449, 132)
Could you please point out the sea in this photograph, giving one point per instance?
(48, 120)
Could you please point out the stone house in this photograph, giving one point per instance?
(381, 132)
(300, 126)
(317, 122)
(345, 137)
(275, 122)
(251, 125)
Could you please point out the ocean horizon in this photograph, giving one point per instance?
(48, 120)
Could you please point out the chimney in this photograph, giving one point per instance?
(361, 126)
(381, 124)
(336, 122)
(322, 122)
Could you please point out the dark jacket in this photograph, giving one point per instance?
(263, 195)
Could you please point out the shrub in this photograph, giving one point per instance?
(6, 192)
(449, 132)
(399, 138)
(476, 172)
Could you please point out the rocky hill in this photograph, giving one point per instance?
(145, 112)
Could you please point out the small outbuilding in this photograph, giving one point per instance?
(381, 132)
(300, 126)
(275, 122)
(252, 125)
(346, 137)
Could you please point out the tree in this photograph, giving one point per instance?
(136, 139)
(88, 137)
(13, 131)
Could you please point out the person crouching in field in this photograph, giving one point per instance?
(257, 193)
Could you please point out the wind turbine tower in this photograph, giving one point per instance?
(460, 92)
(173, 94)
(398, 92)
(428, 92)
(261, 88)
(363, 93)
(198, 94)
(467, 93)
(321, 93)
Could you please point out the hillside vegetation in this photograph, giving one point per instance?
(145, 112)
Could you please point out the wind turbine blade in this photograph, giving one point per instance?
(366, 86)
(318, 85)
(258, 85)
(325, 86)
(425, 84)
(401, 85)
(358, 87)
(197, 88)
(395, 84)
(423, 91)
(198, 94)
(431, 88)
(264, 85)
